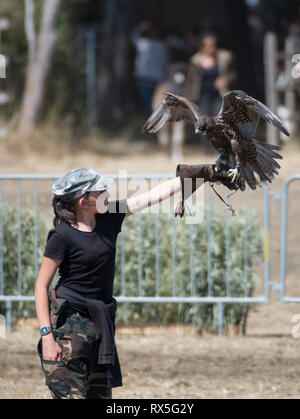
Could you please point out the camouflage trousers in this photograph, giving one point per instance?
(76, 375)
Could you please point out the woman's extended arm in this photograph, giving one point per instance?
(51, 350)
(157, 194)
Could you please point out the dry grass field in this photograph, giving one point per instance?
(174, 362)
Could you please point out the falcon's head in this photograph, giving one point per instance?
(239, 94)
(202, 125)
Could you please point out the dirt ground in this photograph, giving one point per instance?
(174, 362)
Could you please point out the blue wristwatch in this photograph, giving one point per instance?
(45, 330)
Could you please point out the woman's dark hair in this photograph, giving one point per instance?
(65, 211)
(208, 34)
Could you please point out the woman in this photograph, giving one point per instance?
(77, 347)
(210, 74)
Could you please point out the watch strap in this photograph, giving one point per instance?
(45, 330)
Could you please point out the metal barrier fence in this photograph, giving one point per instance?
(220, 301)
(284, 231)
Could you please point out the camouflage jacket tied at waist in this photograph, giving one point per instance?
(103, 317)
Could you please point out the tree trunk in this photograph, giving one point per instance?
(120, 59)
(29, 29)
(39, 70)
(105, 74)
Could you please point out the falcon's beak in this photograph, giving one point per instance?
(200, 130)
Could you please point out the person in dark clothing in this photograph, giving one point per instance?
(77, 347)
(210, 75)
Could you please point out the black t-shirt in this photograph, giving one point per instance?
(88, 258)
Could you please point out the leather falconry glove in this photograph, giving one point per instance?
(208, 173)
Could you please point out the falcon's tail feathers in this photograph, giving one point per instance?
(264, 168)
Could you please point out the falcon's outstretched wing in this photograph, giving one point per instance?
(245, 112)
(173, 108)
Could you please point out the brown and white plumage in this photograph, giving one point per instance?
(172, 109)
(232, 132)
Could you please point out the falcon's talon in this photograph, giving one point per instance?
(233, 173)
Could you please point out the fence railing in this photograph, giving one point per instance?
(284, 241)
(156, 298)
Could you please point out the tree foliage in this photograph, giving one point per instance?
(19, 270)
(66, 93)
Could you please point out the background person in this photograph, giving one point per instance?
(151, 62)
(210, 75)
(172, 136)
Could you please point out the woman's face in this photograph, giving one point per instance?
(96, 201)
(101, 200)
(209, 45)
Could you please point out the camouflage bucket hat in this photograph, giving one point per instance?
(79, 181)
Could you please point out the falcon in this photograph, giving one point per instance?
(232, 133)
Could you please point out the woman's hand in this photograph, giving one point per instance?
(221, 83)
(51, 349)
